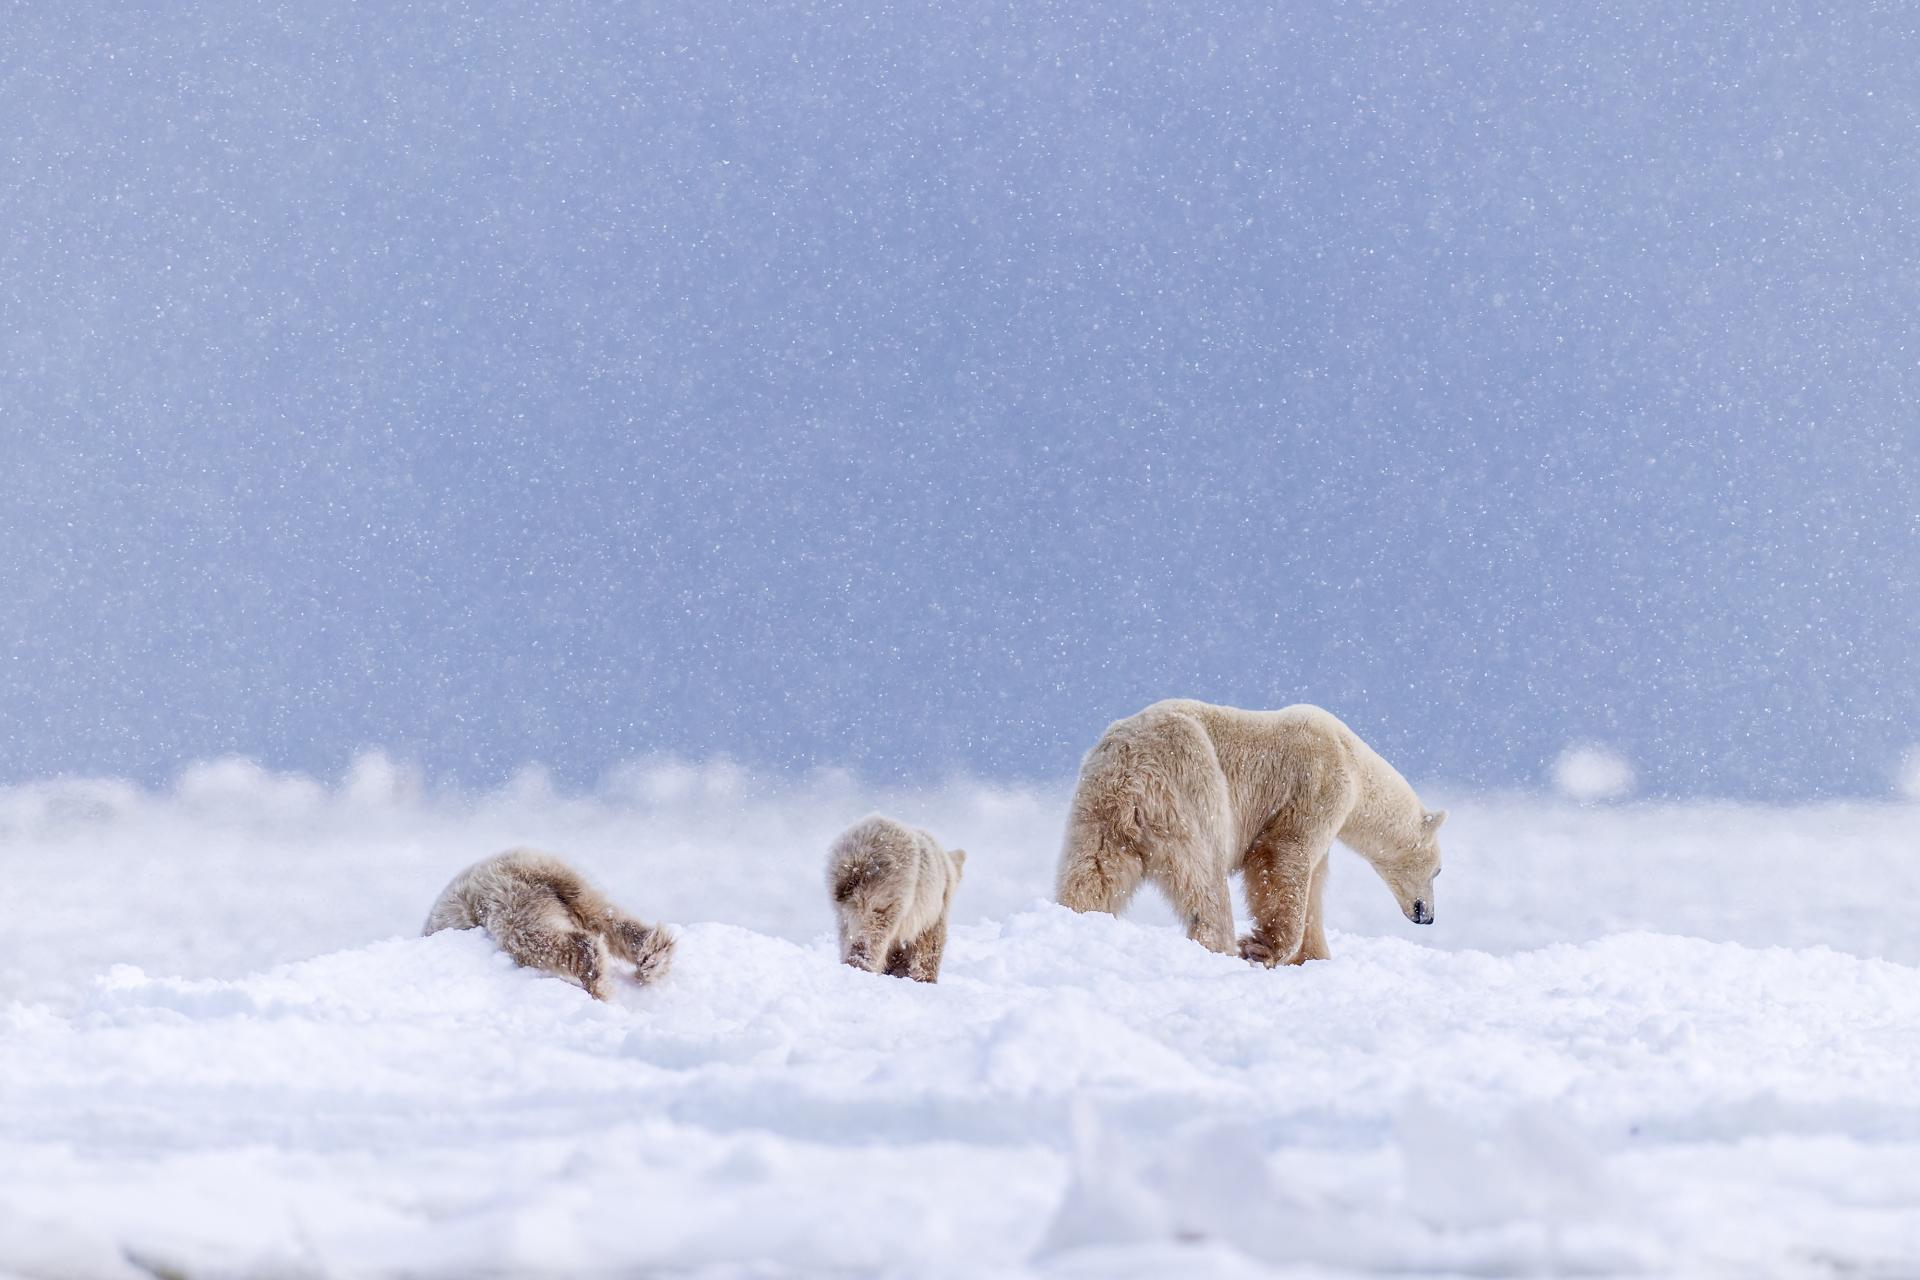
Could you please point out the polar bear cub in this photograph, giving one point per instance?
(542, 913)
(892, 885)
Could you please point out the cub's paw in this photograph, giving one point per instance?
(652, 951)
(1256, 950)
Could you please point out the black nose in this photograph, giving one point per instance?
(1421, 915)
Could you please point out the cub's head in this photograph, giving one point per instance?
(1409, 868)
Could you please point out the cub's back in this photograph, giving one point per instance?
(873, 855)
(484, 886)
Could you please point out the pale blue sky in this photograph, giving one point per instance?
(918, 387)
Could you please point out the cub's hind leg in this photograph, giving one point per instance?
(648, 948)
(919, 958)
(532, 925)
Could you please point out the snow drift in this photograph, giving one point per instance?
(1644, 1040)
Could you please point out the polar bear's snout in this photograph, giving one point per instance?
(1421, 911)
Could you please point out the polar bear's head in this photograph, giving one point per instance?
(1410, 866)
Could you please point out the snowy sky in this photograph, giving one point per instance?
(921, 386)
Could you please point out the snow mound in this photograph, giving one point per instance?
(1586, 772)
(1079, 1095)
(1907, 778)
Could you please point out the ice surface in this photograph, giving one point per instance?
(1641, 1040)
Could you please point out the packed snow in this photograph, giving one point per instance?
(1641, 1040)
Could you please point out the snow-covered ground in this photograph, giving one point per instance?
(1641, 1040)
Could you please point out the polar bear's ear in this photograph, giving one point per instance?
(1433, 820)
(959, 857)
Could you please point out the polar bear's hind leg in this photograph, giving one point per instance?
(1191, 877)
(1099, 871)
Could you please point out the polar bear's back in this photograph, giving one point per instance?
(1224, 722)
(1184, 765)
(1238, 735)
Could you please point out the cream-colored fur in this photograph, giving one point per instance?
(1186, 793)
(543, 914)
(892, 886)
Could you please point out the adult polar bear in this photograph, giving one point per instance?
(1186, 793)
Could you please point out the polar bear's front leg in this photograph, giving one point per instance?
(1313, 946)
(1279, 879)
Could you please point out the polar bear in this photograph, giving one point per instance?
(892, 885)
(543, 914)
(1186, 793)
